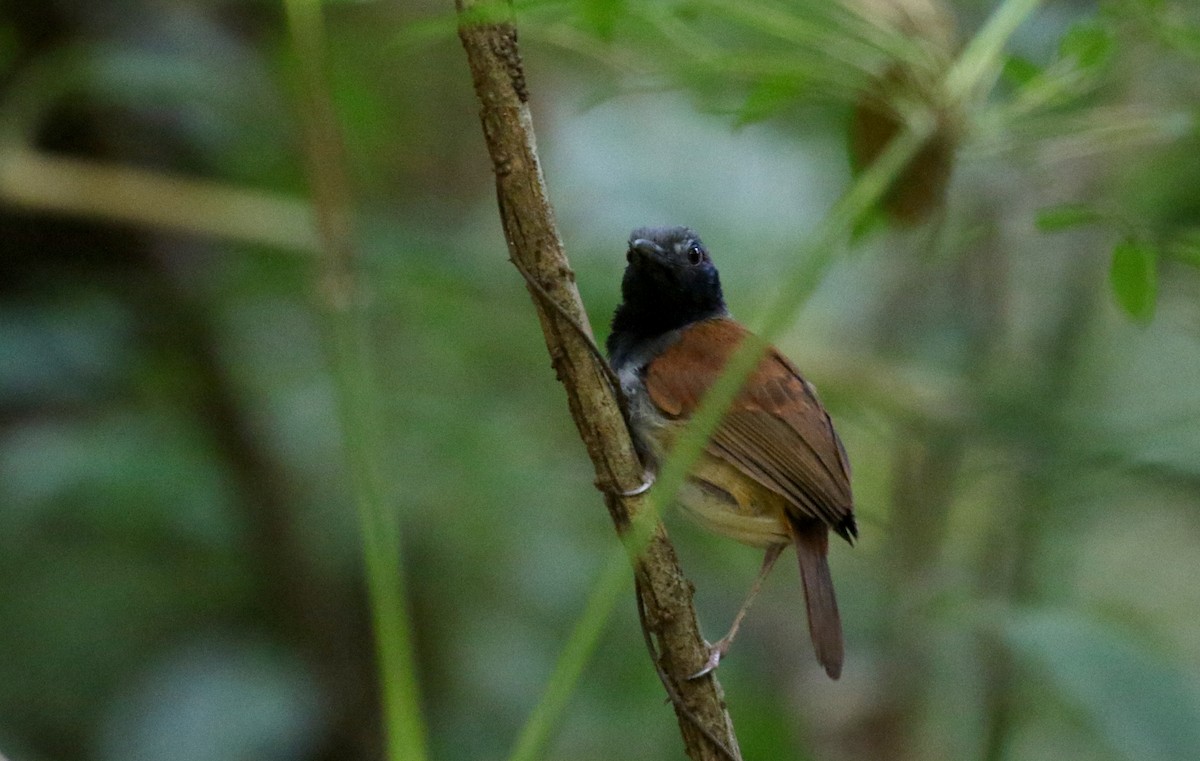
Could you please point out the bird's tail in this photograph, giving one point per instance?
(824, 623)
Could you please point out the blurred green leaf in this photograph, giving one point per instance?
(873, 222)
(1065, 216)
(600, 16)
(1020, 71)
(1090, 43)
(766, 99)
(1134, 277)
(1146, 709)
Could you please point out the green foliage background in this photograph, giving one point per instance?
(1017, 380)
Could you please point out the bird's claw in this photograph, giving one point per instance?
(715, 654)
(648, 481)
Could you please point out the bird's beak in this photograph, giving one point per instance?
(647, 249)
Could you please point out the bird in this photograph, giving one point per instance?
(774, 473)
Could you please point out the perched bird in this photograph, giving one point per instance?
(774, 473)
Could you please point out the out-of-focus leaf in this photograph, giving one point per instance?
(873, 222)
(767, 98)
(1145, 708)
(600, 16)
(1020, 71)
(1090, 43)
(1065, 216)
(1134, 277)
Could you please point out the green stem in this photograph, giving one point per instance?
(359, 404)
(360, 412)
(979, 65)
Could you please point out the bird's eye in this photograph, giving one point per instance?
(695, 254)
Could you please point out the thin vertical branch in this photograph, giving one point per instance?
(490, 41)
(359, 404)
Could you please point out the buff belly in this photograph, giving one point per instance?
(723, 500)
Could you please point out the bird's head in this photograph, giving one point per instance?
(670, 280)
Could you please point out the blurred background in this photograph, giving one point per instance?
(1010, 349)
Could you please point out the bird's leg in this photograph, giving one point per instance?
(717, 650)
(668, 683)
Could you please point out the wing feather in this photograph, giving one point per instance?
(776, 431)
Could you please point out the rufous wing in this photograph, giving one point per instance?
(776, 431)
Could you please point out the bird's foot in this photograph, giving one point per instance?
(715, 654)
(647, 482)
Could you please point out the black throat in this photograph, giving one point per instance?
(670, 282)
(643, 318)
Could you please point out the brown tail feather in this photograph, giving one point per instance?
(824, 623)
